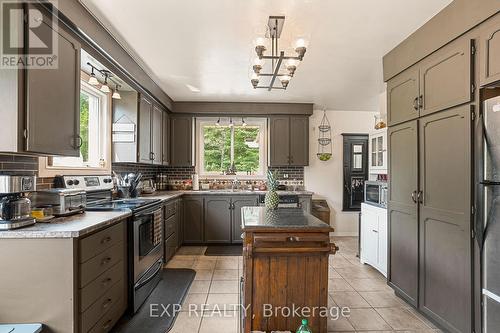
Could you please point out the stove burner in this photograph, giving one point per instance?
(120, 204)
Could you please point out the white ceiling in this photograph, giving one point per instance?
(208, 45)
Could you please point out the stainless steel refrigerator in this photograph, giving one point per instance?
(488, 226)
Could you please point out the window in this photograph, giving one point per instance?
(94, 131)
(224, 148)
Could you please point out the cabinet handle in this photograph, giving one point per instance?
(421, 101)
(80, 142)
(106, 240)
(420, 197)
(105, 260)
(107, 324)
(106, 281)
(413, 196)
(107, 303)
(375, 231)
(415, 103)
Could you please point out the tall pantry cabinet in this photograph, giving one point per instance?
(430, 113)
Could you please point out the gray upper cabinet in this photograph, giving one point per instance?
(237, 203)
(299, 140)
(403, 209)
(402, 97)
(445, 77)
(489, 48)
(445, 218)
(181, 137)
(52, 99)
(192, 219)
(288, 140)
(156, 135)
(145, 109)
(166, 139)
(217, 219)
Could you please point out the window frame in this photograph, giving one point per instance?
(45, 169)
(252, 121)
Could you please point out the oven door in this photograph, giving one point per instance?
(372, 193)
(148, 245)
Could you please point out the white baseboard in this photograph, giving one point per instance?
(344, 234)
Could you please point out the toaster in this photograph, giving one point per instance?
(63, 201)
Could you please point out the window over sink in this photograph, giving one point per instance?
(231, 146)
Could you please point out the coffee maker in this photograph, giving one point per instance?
(15, 207)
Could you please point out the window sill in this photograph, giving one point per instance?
(45, 170)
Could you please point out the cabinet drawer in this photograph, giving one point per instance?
(112, 298)
(101, 284)
(98, 242)
(110, 318)
(170, 247)
(170, 208)
(292, 243)
(170, 225)
(101, 263)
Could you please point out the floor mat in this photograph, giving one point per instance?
(224, 250)
(157, 314)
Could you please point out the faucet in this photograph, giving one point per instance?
(234, 184)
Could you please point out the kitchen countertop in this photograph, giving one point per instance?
(281, 219)
(68, 227)
(81, 224)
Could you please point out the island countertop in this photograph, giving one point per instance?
(281, 220)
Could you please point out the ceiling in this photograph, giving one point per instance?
(199, 50)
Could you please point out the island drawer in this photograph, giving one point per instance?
(291, 242)
(95, 289)
(93, 245)
(170, 247)
(109, 300)
(110, 318)
(170, 208)
(170, 225)
(94, 267)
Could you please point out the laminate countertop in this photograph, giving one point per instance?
(281, 220)
(168, 195)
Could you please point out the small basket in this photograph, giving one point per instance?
(324, 141)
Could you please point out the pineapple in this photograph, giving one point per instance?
(272, 199)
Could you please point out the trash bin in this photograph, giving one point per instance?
(321, 210)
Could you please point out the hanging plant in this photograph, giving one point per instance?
(324, 139)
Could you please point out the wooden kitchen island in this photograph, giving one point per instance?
(285, 268)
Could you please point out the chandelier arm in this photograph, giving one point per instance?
(276, 70)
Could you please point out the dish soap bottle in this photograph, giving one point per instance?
(304, 328)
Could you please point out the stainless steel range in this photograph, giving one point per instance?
(145, 232)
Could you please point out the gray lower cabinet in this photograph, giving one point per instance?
(445, 218)
(289, 140)
(181, 138)
(402, 210)
(237, 203)
(192, 219)
(217, 219)
(52, 97)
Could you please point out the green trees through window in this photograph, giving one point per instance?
(84, 125)
(224, 145)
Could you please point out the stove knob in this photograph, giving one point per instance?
(69, 182)
(76, 182)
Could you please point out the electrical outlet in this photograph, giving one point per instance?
(285, 175)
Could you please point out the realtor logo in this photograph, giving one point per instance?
(29, 35)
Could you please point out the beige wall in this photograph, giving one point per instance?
(325, 178)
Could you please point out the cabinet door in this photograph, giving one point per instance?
(299, 140)
(181, 141)
(238, 203)
(192, 219)
(445, 218)
(166, 139)
(217, 219)
(279, 141)
(145, 110)
(490, 51)
(382, 241)
(445, 78)
(369, 237)
(156, 133)
(402, 97)
(402, 210)
(52, 98)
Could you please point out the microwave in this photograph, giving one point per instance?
(376, 193)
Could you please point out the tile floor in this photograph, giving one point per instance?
(373, 305)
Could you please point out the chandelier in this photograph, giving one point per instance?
(278, 58)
